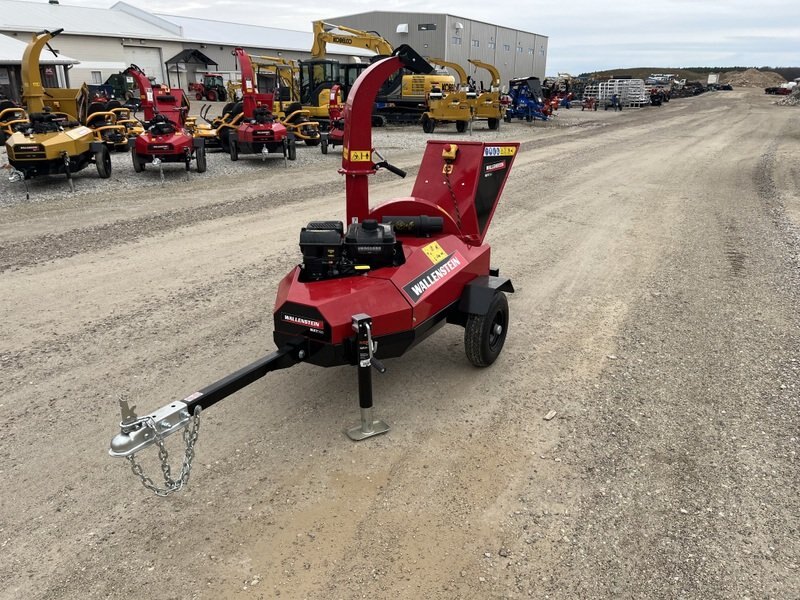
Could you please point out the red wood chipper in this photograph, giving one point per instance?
(372, 288)
(166, 138)
(259, 132)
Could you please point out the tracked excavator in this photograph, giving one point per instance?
(401, 98)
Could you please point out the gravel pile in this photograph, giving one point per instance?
(792, 99)
(752, 78)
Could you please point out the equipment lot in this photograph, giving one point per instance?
(656, 258)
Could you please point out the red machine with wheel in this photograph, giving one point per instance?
(166, 138)
(259, 132)
(376, 287)
(335, 134)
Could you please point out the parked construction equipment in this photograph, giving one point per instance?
(525, 100)
(167, 139)
(374, 288)
(53, 142)
(334, 136)
(487, 104)
(211, 88)
(455, 105)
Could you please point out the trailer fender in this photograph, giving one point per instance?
(478, 293)
(198, 142)
(96, 146)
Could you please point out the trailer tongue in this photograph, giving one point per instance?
(375, 288)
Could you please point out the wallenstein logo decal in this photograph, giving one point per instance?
(431, 278)
(495, 166)
(303, 321)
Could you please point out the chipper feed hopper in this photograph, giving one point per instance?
(374, 286)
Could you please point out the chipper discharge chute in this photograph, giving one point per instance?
(374, 288)
(53, 141)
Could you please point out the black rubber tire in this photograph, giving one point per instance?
(324, 146)
(138, 163)
(102, 159)
(428, 124)
(200, 159)
(224, 139)
(494, 124)
(482, 342)
(292, 150)
(211, 95)
(507, 119)
(461, 126)
(233, 149)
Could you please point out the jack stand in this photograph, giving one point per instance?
(362, 325)
(264, 153)
(157, 163)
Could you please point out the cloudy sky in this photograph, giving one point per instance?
(584, 35)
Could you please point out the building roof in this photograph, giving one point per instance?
(16, 15)
(11, 51)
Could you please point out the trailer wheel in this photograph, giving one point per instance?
(494, 124)
(484, 335)
(324, 145)
(200, 157)
(234, 150)
(292, 150)
(198, 96)
(428, 124)
(138, 163)
(102, 159)
(461, 126)
(507, 118)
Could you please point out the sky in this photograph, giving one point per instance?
(583, 35)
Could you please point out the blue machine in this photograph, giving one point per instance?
(526, 100)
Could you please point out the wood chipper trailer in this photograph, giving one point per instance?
(258, 132)
(53, 141)
(166, 138)
(487, 104)
(455, 105)
(376, 287)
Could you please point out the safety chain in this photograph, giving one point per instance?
(453, 196)
(190, 434)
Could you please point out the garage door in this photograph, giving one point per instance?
(147, 59)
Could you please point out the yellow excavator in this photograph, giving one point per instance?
(402, 98)
(54, 141)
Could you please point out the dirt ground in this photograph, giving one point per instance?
(656, 259)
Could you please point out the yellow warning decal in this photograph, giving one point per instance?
(360, 156)
(435, 252)
(499, 151)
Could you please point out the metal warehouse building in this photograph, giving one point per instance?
(456, 39)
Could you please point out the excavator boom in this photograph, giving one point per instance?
(347, 36)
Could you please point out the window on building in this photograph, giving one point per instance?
(492, 45)
(507, 47)
(530, 50)
(519, 49)
(456, 41)
(476, 43)
(97, 78)
(426, 27)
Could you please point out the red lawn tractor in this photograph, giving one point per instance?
(375, 287)
(212, 88)
(165, 139)
(259, 132)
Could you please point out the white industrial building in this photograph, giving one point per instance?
(107, 40)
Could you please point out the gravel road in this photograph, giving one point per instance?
(656, 259)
